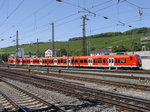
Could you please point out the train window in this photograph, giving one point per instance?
(65, 61)
(51, 61)
(81, 61)
(105, 61)
(61, 61)
(58, 61)
(72, 61)
(123, 60)
(95, 60)
(131, 58)
(76, 61)
(85, 61)
(117, 61)
(99, 60)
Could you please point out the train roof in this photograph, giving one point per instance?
(76, 57)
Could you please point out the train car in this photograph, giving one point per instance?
(26, 61)
(117, 61)
(113, 61)
(11, 61)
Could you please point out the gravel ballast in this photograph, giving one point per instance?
(66, 102)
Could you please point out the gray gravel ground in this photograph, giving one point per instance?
(109, 78)
(66, 102)
(1, 107)
(123, 90)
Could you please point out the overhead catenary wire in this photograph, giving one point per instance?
(63, 23)
(136, 5)
(13, 11)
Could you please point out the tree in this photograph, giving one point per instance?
(120, 48)
(137, 47)
(62, 52)
(147, 46)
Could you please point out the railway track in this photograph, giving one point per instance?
(125, 74)
(124, 102)
(22, 101)
(79, 78)
(9, 105)
(84, 69)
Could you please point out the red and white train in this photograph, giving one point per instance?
(114, 61)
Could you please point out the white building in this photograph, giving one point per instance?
(21, 52)
(48, 53)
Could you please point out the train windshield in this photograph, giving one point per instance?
(139, 59)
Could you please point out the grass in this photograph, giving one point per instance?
(75, 47)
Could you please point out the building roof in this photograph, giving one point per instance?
(102, 51)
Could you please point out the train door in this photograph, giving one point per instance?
(20, 62)
(41, 61)
(89, 61)
(111, 62)
(68, 62)
(31, 61)
(55, 61)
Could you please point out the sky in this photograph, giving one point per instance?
(33, 18)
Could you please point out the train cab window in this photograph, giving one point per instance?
(117, 61)
(95, 60)
(131, 58)
(123, 60)
(105, 61)
(99, 60)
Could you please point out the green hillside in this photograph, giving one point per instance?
(98, 41)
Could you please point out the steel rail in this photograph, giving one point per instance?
(50, 105)
(89, 92)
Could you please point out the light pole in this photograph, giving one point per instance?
(68, 61)
(132, 35)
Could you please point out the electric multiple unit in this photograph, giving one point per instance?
(116, 61)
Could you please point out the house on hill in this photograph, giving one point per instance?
(49, 53)
(144, 40)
